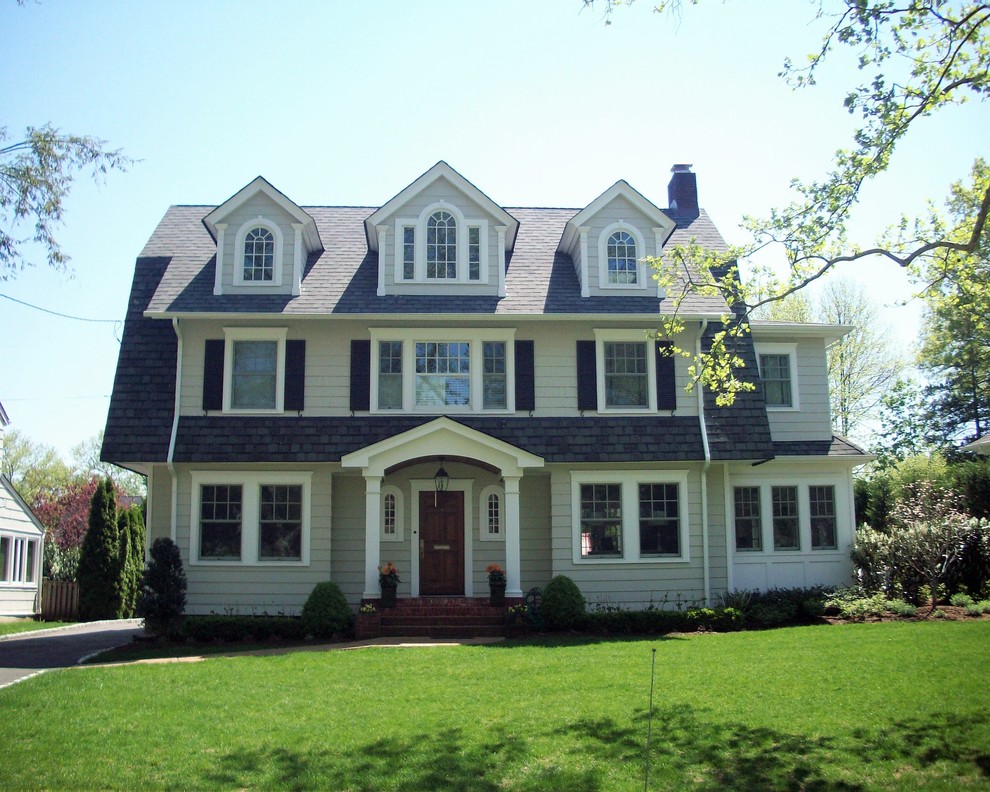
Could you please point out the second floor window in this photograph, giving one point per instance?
(259, 255)
(776, 373)
(626, 383)
(441, 246)
(254, 375)
(443, 374)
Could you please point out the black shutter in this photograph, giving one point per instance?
(213, 374)
(360, 376)
(525, 376)
(587, 376)
(295, 375)
(666, 387)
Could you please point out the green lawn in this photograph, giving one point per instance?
(872, 706)
(27, 625)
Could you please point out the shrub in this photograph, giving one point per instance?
(984, 606)
(326, 612)
(974, 609)
(163, 589)
(563, 606)
(60, 564)
(854, 603)
(206, 629)
(901, 608)
(960, 600)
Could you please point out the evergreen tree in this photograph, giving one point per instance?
(137, 553)
(99, 566)
(163, 588)
(125, 564)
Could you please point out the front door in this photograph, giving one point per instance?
(441, 543)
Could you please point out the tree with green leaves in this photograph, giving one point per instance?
(99, 562)
(86, 463)
(35, 470)
(916, 58)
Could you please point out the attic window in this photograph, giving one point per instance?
(441, 246)
(259, 255)
(622, 267)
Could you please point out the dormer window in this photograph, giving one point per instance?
(441, 246)
(259, 255)
(621, 254)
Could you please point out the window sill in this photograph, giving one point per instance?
(625, 561)
(208, 563)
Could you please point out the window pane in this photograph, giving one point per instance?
(254, 375)
(494, 515)
(494, 378)
(220, 522)
(443, 374)
(388, 515)
(625, 375)
(601, 520)
(621, 254)
(280, 526)
(390, 375)
(474, 253)
(4, 557)
(32, 549)
(775, 370)
(259, 255)
(822, 506)
(659, 526)
(408, 252)
(748, 519)
(441, 246)
(785, 518)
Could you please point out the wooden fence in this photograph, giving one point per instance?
(59, 600)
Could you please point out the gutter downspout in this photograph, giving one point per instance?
(704, 474)
(174, 517)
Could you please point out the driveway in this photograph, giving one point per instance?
(26, 654)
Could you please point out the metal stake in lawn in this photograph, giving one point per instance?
(649, 722)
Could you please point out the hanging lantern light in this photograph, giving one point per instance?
(441, 478)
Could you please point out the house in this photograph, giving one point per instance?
(444, 382)
(980, 445)
(21, 547)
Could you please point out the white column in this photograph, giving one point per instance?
(512, 577)
(500, 231)
(372, 541)
(298, 262)
(218, 275)
(585, 286)
(382, 234)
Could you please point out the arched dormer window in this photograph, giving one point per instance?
(441, 246)
(492, 507)
(621, 249)
(258, 254)
(622, 259)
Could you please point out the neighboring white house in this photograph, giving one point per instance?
(293, 379)
(21, 547)
(979, 446)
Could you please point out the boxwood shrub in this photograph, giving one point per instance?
(233, 629)
(326, 612)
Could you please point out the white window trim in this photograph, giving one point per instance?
(17, 559)
(791, 351)
(843, 532)
(242, 232)
(399, 535)
(626, 336)
(251, 483)
(474, 336)
(419, 267)
(232, 334)
(483, 535)
(642, 281)
(630, 481)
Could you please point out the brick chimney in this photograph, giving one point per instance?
(682, 192)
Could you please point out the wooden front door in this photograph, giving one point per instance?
(441, 543)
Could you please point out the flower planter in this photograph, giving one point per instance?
(496, 595)
(388, 596)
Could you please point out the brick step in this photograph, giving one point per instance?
(427, 621)
(446, 611)
(443, 631)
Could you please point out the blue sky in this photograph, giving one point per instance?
(344, 103)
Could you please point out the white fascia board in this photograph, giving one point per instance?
(421, 318)
(261, 185)
(441, 169)
(764, 329)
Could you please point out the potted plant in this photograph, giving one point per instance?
(388, 579)
(496, 585)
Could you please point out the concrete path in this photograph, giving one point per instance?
(26, 654)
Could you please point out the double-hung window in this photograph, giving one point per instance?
(821, 503)
(254, 369)
(18, 559)
(786, 525)
(442, 370)
(778, 373)
(250, 518)
(626, 374)
(748, 522)
(630, 516)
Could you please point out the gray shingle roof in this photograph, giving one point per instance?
(835, 447)
(344, 278)
(294, 439)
